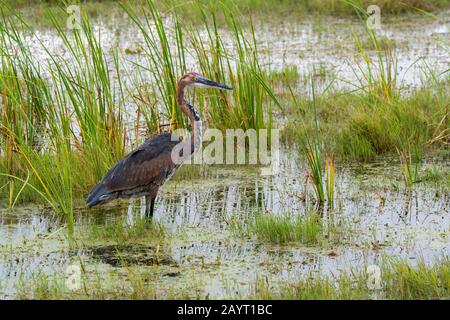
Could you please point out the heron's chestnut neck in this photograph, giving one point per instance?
(192, 114)
(187, 109)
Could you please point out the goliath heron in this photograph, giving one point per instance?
(145, 169)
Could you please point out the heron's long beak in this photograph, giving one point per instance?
(205, 83)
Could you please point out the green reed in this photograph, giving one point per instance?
(65, 131)
(410, 166)
(250, 104)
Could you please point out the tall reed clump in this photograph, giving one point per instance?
(315, 162)
(250, 104)
(320, 163)
(410, 166)
(321, 173)
(61, 133)
(253, 98)
(25, 126)
(378, 80)
(165, 63)
(86, 84)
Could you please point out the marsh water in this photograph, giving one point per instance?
(203, 256)
(325, 46)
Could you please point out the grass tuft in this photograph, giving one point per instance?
(282, 229)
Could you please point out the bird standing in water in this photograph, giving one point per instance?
(144, 170)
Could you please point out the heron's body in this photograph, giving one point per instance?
(144, 170)
(140, 173)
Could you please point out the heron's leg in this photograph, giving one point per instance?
(149, 206)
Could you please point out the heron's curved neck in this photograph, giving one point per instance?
(193, 115)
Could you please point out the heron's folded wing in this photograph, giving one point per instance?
(149, 163)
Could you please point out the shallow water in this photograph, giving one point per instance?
(326, 43)
(410, 223)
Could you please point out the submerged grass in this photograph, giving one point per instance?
(133, 284)
(123, 233)
(136, 283)
(399, 280)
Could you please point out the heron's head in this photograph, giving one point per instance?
(196, 80)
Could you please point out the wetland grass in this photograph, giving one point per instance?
(321, 168)
(289, 74)
(136, 283)
(121, 232)
(398, 114)
(249, 106)
(315, 163)
(435, 174)
(59, 134)
(404, 281)
(410, 166)
(380, 115)
(285, 229)
(53, 128)
(399, 280)
(96, 284)
(383, 44)
(36, 10)
(281, 229)
(376, 128)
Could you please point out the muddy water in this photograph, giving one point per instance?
(204, 258)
